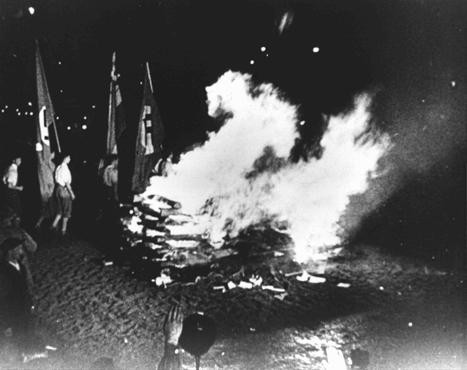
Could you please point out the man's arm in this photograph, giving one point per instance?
(70, 190)
(10, 185)
(29, 243)
(172, 330)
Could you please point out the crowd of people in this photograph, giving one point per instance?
(18, 341)
(58, 206)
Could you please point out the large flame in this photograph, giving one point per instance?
(217, 181)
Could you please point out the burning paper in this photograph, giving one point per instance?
(343, 285)
(306, 277)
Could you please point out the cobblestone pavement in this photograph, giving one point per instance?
(406, 315)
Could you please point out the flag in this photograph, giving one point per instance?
(45, 118)
(149, 138)
(116, 120)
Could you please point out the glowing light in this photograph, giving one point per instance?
(3, 110)
(252, 62)
(302, 123)
(31, 113)
(29, 103)
(84, 127)
(263, 48)
(453, 83)
(19, 113)
(85, 118)
(57, 117)
(410, 324)
(61, 91)
(6, 106)
(59, 62)
(93, 106)
(31, 10)
(316, 49)
(309, 197)
(68, 128)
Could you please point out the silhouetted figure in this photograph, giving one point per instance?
(198, 335)
(110, 180)
(15, 295)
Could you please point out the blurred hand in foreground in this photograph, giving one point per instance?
(173, 325)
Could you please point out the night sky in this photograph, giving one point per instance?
(411, 54)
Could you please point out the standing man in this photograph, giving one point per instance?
(110, 180)
(12, 189)
(64, 194)
(15, 295)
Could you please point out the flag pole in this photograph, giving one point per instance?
(109, 116)
(149, 76)
(56, 137)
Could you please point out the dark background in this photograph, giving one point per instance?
(410, 54)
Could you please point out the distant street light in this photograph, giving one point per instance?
(31, 10)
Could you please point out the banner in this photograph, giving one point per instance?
(45, 118)
(149, 138)
(116, 120)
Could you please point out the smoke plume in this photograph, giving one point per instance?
(221, 183)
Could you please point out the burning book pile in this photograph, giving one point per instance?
(164, 245)
(168, 239)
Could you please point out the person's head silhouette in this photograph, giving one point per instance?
(198, 335)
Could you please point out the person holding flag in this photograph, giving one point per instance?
(45, 155)
(64, 194)
(149, 138)
(116, 125)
